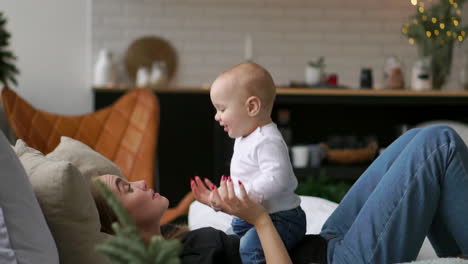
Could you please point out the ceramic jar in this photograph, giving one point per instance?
(104, 70)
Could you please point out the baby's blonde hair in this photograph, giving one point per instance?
(255, 81)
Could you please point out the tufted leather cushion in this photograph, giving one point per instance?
(125, 132)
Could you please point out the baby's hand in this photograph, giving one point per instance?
(202, 189)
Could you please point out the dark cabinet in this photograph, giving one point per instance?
(191, 143)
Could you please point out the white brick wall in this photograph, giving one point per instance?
(209, 35)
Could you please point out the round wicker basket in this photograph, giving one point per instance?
(350, 156)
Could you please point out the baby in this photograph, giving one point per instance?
(243, 97)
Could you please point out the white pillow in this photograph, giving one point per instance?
(201, 215)
(28, 234)
(317, 211)
(67, 203)
(89, 162)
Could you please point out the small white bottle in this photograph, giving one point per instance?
(143, 77)
(156, 74)
(104, 70)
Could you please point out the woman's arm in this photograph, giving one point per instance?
(252, 212)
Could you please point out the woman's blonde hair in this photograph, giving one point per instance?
(107, 217)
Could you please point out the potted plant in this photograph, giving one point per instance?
(435, 30)
(314, 72)
(8, 70)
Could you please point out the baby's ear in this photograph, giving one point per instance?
(253, 104)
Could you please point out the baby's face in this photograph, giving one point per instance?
(231, 109)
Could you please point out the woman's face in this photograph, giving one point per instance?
(142, 203)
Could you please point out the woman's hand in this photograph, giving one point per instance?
(254, 213)
(244, 207)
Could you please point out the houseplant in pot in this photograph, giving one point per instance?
(314, 72)
(435, 29)
(8, 70)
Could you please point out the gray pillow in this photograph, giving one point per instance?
(28, 233)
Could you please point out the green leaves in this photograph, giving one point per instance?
(435, 29)
(320, 63)
(127, 246)
(8, 70)
(323, 186)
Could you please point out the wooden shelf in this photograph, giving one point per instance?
(311, 92)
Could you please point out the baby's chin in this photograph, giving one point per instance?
(230, 135)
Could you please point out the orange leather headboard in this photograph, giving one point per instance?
(125, 132)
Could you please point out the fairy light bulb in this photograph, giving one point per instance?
(411, 41)
(428, 34)
(434, 20)
(424, 18)
(421, 9)
(460, 38)
(414, 2)
(436, 32)
(442, 25)
(455, 22)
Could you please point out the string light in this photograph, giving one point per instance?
(443, 30)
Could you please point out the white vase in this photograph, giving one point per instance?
(104, 70)
(421, 79)
(143, 77)
(313, 75)
(158, 76)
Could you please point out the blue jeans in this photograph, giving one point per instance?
(290, 224)
(417, 187)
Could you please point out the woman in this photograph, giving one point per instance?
(205, 245)
(417, 187)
